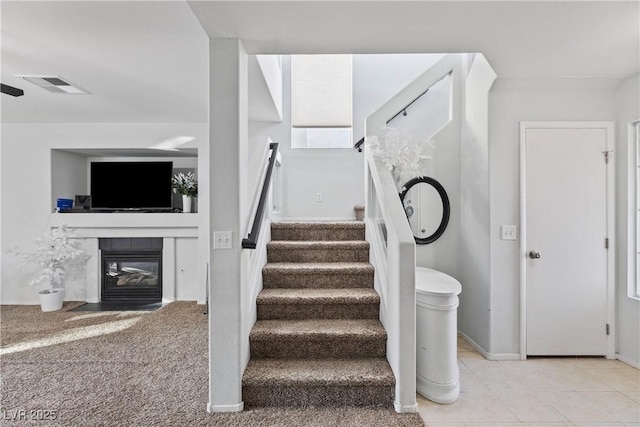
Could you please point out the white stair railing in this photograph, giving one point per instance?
(393, 254)
(393, 249)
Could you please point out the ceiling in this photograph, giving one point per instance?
(141, 61)
(520, 39)
(147, 61)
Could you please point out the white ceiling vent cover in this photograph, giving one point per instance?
(54, 84)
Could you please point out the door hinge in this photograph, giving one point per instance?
(606, 155)
(606, 243)
(607, 329)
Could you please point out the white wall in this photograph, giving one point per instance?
(68, 176)
(628, 321)
(271, 67)
(510, 102)
(27, 179)
(186, 269)
(377, 78)
(256, 169)
(265, 88)
(336, 173)
(474, 250)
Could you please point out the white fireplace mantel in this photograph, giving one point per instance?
(125, 224)
(89, 227)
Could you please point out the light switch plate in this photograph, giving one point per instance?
(508, 232)
(222, 240)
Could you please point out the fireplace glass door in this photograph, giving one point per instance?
(132, 276)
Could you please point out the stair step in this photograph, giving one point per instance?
(346, 230)
(318, 340)
(318, 275)
(310, 303)
(326, 338)
(319, 382)
(318, 251)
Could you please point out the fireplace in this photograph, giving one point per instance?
(131, 269)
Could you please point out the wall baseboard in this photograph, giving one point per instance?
(486, 354)
(508, 356)
(630, 362)
(19, 302)
(405, 409)
(238, 407)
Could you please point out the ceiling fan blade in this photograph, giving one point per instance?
(10, 90)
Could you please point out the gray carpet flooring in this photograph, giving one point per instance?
(130, 369)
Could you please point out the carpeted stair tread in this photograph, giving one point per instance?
(317, 339)
(343, 329)
(318, 296)
(321, 372)
(314, 225)
(318, 244)
(318, 303)
(337, 268)
(318, 251)
(317, 275)
(346, 230)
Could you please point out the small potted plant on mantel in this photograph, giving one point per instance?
(54, 250)
(187, 185)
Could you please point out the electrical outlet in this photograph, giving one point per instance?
(508, 232)
(318, 197)
(222, 240)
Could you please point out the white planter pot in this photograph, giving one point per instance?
(186, 203)
(51, 301)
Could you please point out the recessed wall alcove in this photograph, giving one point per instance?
(178, 233)
(71, 168)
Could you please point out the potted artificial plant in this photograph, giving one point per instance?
(54, 250)
(187, 185)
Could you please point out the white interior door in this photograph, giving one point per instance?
(566, 224)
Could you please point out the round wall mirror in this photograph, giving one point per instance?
(427, 207)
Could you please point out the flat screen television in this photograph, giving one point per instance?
(131, 185)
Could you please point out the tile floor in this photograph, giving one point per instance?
(544, 392)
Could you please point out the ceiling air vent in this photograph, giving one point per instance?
(55, 84)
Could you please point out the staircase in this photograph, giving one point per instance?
(318, 340)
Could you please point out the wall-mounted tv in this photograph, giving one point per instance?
(131, 185)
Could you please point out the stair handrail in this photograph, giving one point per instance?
(403, 110)
(251, 240)
(358, 145)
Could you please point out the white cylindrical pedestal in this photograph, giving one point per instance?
(436, 341)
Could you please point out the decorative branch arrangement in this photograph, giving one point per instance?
(185, 184)
(405, 156)
(54, 250)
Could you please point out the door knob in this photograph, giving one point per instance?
(534, 255)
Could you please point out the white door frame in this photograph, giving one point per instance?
(609, 128)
